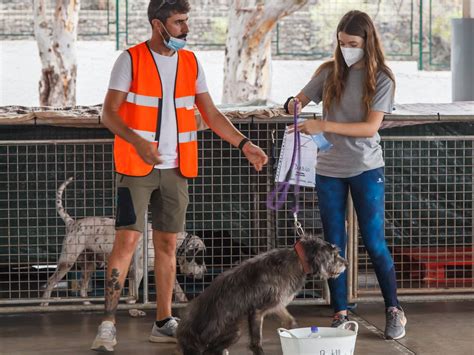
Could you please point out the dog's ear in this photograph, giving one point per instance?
(197, 243)
(312, 241)
(317, 253)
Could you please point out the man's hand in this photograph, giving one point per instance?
(226, 130)
(148, 151)
(255, 155)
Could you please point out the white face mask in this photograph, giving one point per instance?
(352, 55)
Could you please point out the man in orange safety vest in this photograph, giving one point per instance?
(153, 90)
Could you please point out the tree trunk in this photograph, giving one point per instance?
(57, 50)
(102, 5)
(247, 63)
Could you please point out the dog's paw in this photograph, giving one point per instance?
(257, 350)
(290, 324)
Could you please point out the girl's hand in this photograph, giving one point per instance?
(291, 106)
(310, 127)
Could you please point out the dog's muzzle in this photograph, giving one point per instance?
(340, 266)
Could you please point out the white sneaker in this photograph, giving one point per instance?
(105, 339)
(165, 334)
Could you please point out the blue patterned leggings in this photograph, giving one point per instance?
(367, 191)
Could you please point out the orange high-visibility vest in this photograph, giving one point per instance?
(141, 111)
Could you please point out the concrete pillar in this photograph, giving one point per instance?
(462, 59)
(462, 54)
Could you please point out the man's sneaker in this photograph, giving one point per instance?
(105, 339)
(166, 333)
(395, 322)
(339, 319)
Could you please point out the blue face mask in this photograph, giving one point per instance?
(173, 43)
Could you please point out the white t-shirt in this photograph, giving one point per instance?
(121, 79)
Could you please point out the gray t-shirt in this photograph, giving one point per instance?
(351, 156)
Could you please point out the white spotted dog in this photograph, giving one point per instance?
(88, 242)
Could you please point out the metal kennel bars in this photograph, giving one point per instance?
(429, 213)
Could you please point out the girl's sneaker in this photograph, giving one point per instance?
(338, 320)
(395, 322)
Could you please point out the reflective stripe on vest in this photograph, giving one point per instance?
(142, 100)
(183, 137)
(149, 136)
(186, 137)
(141, 112)
(187, 102)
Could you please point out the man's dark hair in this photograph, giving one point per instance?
(162, 9)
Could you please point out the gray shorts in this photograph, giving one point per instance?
(164, 189)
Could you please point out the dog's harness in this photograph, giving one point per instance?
(273, 201)
(302, 256)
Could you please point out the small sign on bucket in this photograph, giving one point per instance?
(319, 340)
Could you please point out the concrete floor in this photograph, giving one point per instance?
(433, 328)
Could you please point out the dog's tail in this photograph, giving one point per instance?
(68, 220)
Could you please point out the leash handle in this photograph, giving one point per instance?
(274, 201)
(296, 158)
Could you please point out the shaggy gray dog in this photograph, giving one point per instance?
(257, 287)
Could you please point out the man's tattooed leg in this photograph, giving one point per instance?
(112, 294)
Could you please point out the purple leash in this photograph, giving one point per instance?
(278, 196)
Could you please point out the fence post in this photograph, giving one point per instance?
(145, 262)
(420, 38)
(351, 247)
(117, 24)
